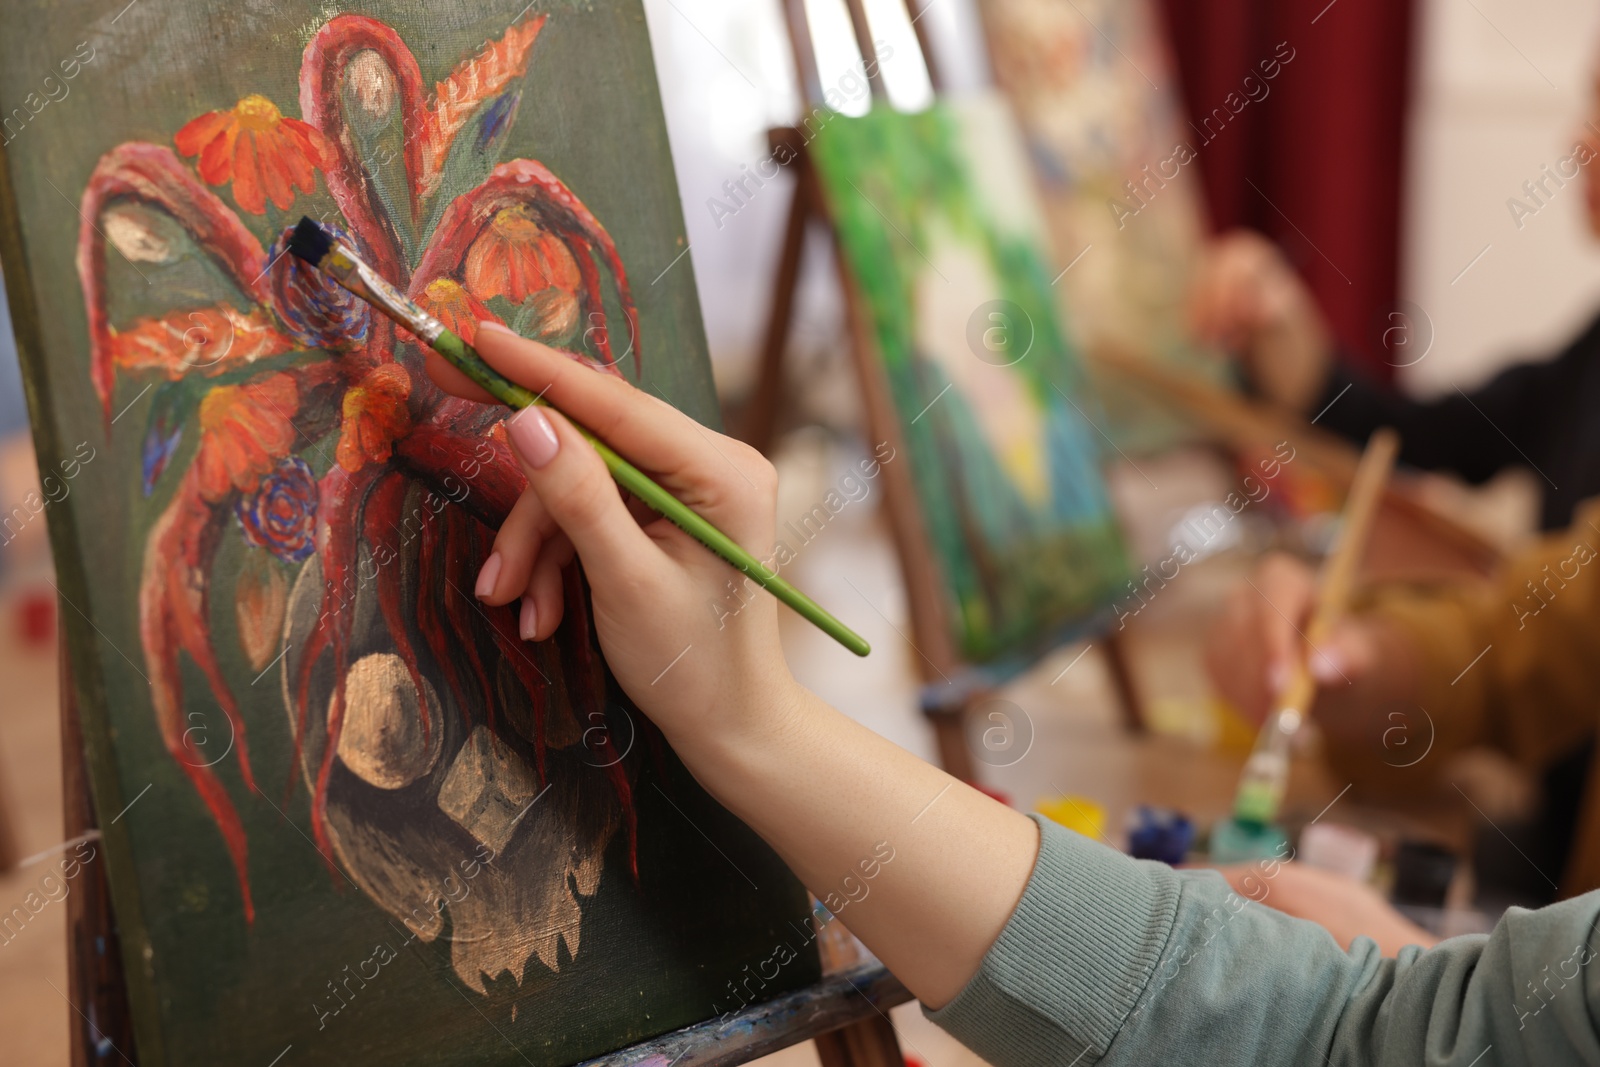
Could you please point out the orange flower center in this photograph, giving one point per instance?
(214, 408)
(446, 292)
(257, 113)
(515, 225)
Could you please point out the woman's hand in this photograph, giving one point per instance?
(687, 636)
(1252, 649)
(831, 796)
(1247, 299)
(1368, 671)
(1346, 908)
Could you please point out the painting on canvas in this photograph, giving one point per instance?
(939, 228)
(347, 811)
(1118, 173)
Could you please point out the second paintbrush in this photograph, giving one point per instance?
(318, 247)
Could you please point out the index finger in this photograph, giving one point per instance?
(658, 436)
(1288, 591)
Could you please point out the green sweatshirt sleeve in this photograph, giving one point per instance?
(1109, 960)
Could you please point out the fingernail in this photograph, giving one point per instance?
(528, 624)
(496, 327)
(533, 437)
(1327, 667)
(1277, 678)
(489, 575)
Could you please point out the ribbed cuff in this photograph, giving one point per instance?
(1067, 970)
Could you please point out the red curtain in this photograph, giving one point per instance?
(1312, 155)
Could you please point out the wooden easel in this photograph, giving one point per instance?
(944, 701)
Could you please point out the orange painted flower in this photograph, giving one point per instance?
(244, 431)
(375, 416)
(516, 258)
(452, 305)
(262, 151)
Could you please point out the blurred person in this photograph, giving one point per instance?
(1536, 415)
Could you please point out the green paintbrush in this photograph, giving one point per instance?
(318, 247)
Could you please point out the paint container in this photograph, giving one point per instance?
(1341, 849)
(1235, 841)
(1160, 834)
(1078, 814)
(1423, 872)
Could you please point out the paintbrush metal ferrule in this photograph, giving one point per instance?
(355, 274)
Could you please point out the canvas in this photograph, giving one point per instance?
(941, 235)
(1095, 93)
(348, 815)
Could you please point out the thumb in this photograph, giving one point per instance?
(1346, 657)
(572, 482)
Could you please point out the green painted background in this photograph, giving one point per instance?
(1018, 575)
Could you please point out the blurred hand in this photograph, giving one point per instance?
(694, 669)
(1346, 908)
(1247, 299)
(1253, 647)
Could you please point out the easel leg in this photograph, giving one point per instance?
(1128, 700)
(950, 739)
(755, 425)
(101, 1026)
(868, 1043)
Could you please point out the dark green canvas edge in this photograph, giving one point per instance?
(88, 685)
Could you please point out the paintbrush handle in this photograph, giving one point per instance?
(1361, 510)
(641, 485)
(1266, 772)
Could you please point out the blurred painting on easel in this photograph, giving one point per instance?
(938, 229)
(1117, 169)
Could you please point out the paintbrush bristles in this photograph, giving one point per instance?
(310, 240)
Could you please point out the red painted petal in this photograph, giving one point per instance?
(216, 158)
(316, 148)
(247, 176)
(274, 177)
(199, 132)
(211, 472)
(297, 163)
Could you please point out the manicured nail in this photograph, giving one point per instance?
(496, 327)
(533, 437)
(489, 575)
(528, 624)
(1277, 678)
(1327, 667)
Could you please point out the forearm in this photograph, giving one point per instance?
(828, 794)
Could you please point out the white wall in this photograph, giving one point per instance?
(1502, 85)
(726, 76)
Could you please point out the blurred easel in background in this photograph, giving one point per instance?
(757, 421)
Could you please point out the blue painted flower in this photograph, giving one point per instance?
(497, 119)
(281, 515)
(316, 310)
(160, 442)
